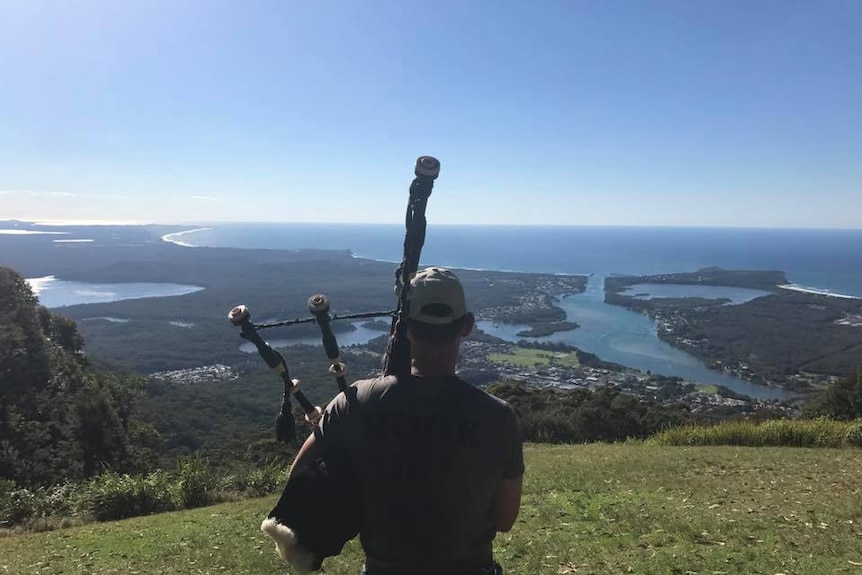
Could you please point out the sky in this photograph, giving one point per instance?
(602, 112)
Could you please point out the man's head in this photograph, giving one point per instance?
(437, 310)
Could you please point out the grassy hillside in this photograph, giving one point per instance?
(587, 509)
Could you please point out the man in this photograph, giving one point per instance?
(438, 463)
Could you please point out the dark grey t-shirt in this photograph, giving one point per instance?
(430, 454)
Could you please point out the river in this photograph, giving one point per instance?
(616, 334)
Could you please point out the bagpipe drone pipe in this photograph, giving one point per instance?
(317, 512)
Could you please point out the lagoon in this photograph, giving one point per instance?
(360, 335)
(734, 295)
(54, 293)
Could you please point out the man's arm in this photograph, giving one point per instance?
(508, 503)
(309, 451)
(507, 500)
(322, 433)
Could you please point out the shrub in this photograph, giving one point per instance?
(16, 505)
(777, 433)
(196, 483)
(113, 496)
(266, 479)
(63, 500)
(853, 434)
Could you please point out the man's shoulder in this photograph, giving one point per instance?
(389, 387)
(359, 394)
(373, 387)
(494, 402)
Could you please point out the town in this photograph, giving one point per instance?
(558, 367)
(561, 369)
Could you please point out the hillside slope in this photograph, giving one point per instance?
(626, 508)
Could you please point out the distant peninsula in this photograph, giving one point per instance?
(788, 337)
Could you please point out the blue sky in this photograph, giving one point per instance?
(575, 112)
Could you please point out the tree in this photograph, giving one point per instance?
(59, 418)
(23, 348)
(552, 416)
(841, 401)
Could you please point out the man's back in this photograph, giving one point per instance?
(437, 463)
(429, 455)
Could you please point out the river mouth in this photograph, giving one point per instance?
(619, 335)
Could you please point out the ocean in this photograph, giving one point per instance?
(817, 259)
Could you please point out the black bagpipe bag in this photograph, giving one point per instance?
(318, 512)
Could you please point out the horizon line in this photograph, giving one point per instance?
(203, 223)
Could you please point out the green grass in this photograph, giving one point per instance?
(528, 357)
(587, 509)
(708, 388)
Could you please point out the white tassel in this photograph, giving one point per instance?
(288, 547)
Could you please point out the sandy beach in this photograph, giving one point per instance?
(816, 291)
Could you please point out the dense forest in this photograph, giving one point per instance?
(60, 419)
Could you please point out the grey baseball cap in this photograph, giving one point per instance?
(436, 297)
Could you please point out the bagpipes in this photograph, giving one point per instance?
(316, 514)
